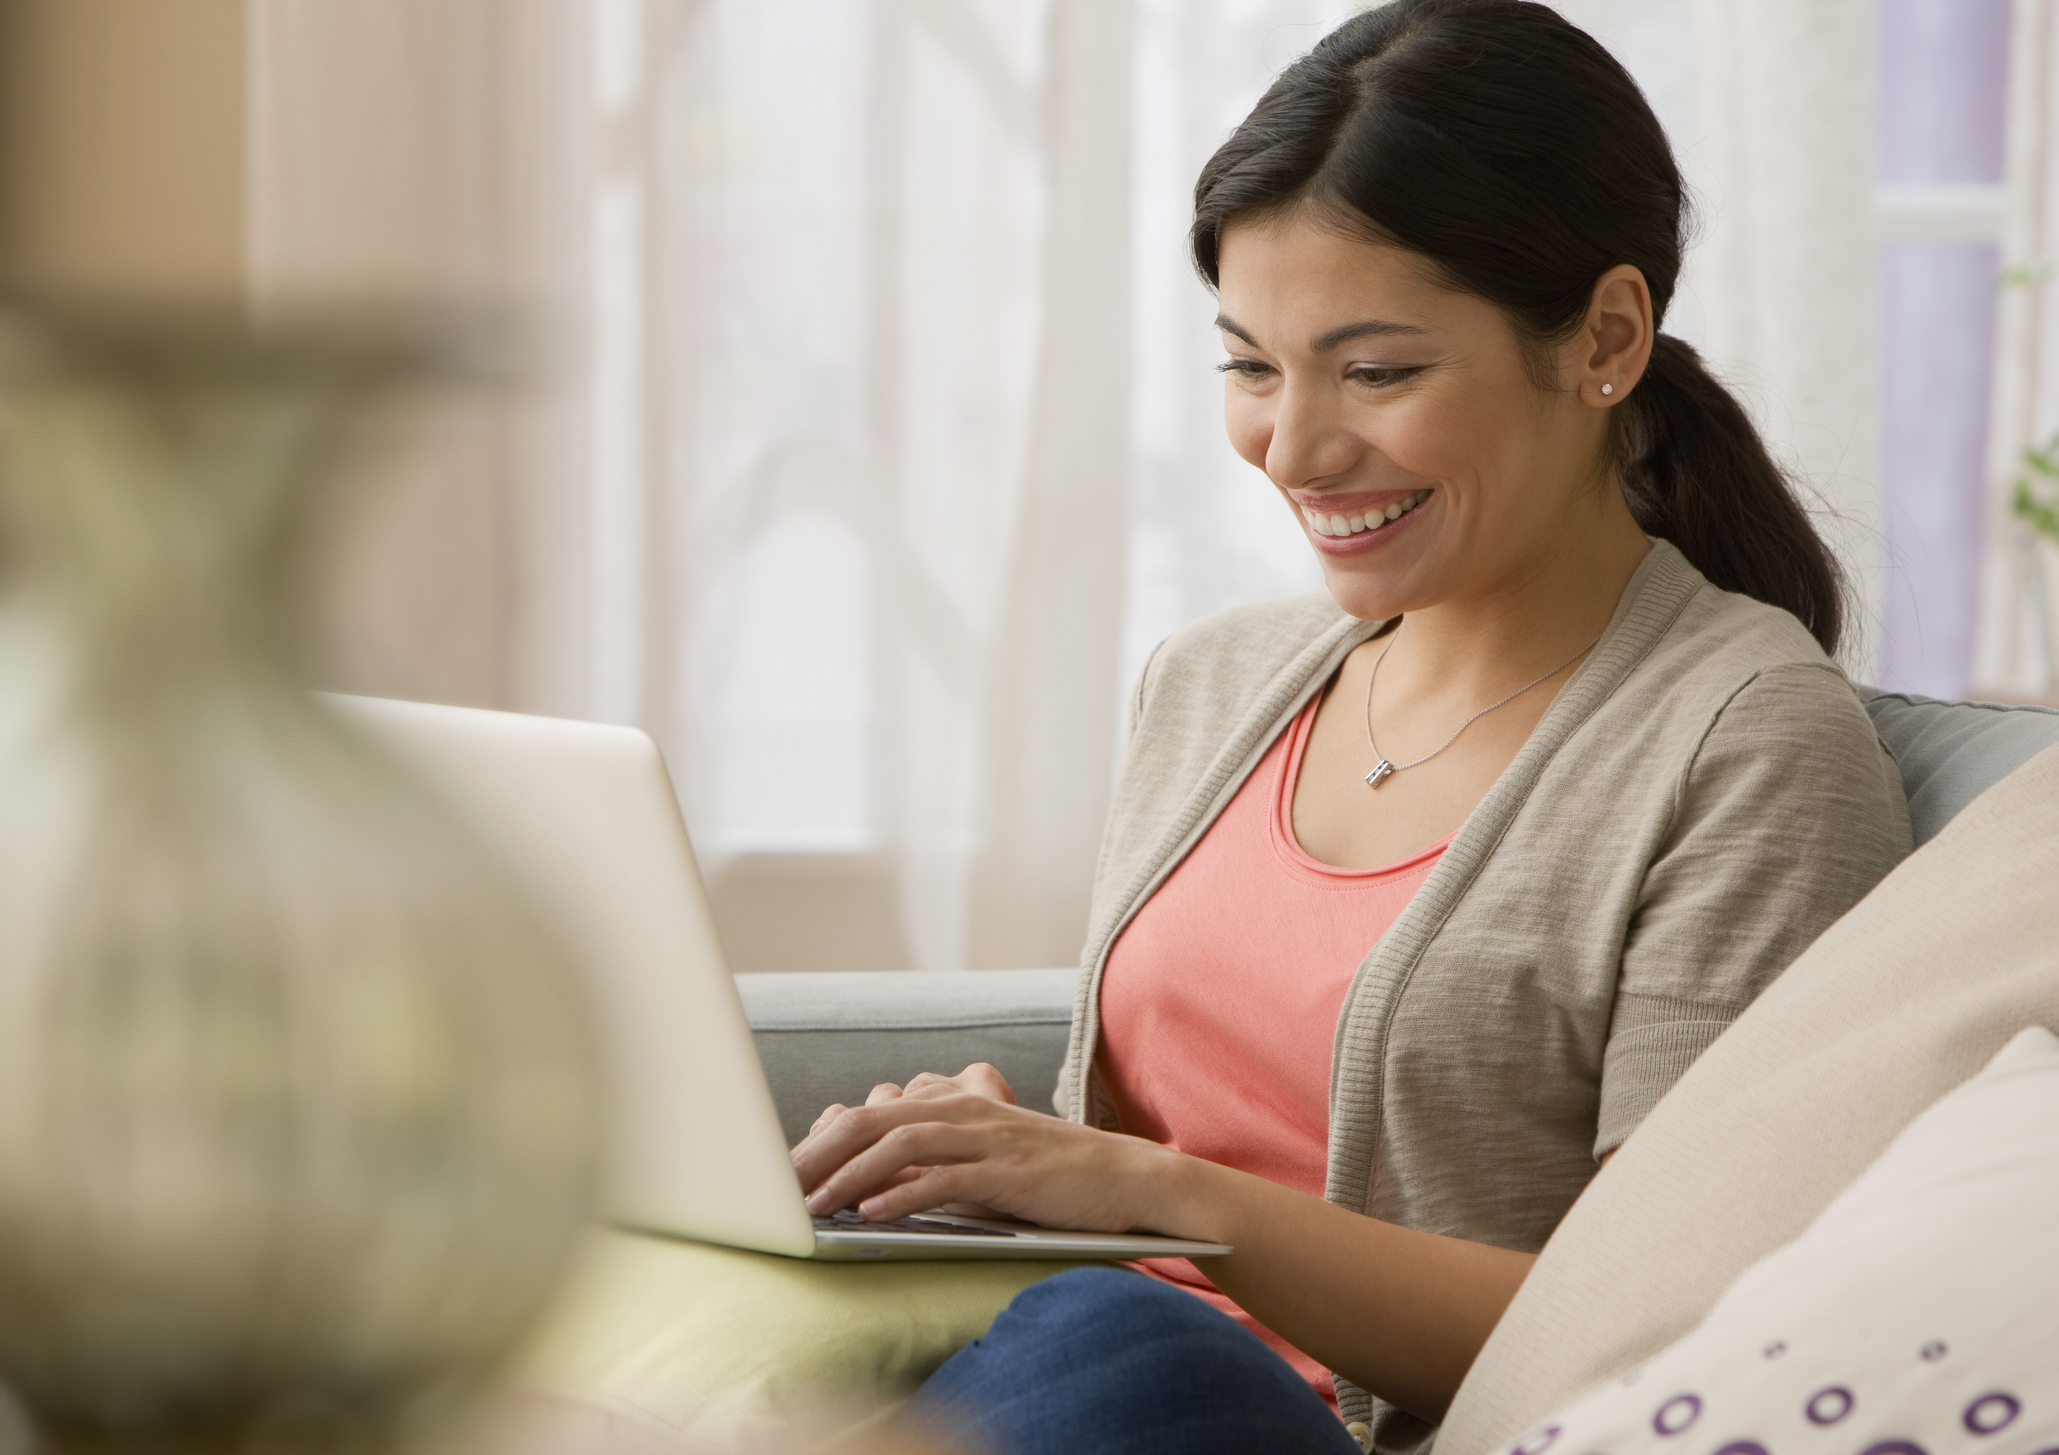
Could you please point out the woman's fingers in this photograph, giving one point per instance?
(804, 1154)
(821, 1124)
(842, 1159)
(829, 1118)
(829, 1114)
(911, 1153)
(874, 1172)
(982, 1079)
(827, 1151)
(812, 1161)
(929, 1187)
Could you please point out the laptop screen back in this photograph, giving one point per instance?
(585, 813)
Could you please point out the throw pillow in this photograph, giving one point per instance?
(1918, 1314)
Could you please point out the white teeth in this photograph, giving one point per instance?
(1338, 525)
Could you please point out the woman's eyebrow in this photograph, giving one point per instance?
(1366, 328)
(1369, 328)
(1229, 325)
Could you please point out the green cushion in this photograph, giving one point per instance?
(724, 1345)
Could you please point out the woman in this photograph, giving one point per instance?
(1414, 900)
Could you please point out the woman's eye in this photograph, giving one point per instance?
(1376, 377)
(1248, 368)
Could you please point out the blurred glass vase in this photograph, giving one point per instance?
(297, 1098)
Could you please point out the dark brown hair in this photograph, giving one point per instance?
(1512, 152)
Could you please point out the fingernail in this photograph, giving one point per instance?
(817, 1204)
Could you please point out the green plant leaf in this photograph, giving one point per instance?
(2034, 495)
(2025, 275)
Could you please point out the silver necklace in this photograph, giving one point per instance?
(1383, 770)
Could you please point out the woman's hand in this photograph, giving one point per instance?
(947, 1141)
(976, 1079)
(980, 1079)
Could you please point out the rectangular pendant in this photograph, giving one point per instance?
(1380, 774)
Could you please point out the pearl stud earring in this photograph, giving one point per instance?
(1608, 388)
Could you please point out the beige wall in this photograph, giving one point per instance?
(122, 160)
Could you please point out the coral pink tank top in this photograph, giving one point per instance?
(1220, 1000)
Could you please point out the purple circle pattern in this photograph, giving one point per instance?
(1744, 1447)
(1828, 1405)
(1934, 1351)
(1895, 1447)
(1536, 1444)
(1775, 1349)
(1992, 1412)
(1667, 1422)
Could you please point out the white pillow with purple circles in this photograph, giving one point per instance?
(1918, 1314)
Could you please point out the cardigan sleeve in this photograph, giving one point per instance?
(1726, 905)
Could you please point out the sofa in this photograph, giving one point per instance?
(1929, 976)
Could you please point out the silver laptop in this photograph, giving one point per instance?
(586, 813)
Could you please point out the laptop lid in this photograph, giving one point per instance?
(586, 814)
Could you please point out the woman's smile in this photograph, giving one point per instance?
(1348, 525)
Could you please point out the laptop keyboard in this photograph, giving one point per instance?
(848, 1220)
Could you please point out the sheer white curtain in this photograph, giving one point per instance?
(2019, 621)
(1787, 273)
(859, 429)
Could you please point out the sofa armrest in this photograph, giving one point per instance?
(832, 1037)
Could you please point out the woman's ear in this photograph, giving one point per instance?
(1617, 338)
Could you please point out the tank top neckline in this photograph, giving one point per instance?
(1297, 860)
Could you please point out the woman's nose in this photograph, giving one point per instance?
(1308, 440)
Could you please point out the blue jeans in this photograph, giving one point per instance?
(1101, 1359)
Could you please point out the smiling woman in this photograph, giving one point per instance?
(1415, 897)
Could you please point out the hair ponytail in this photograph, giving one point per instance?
(1697, 474)
(1506, 147)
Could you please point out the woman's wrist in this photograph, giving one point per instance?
(1176, 1194)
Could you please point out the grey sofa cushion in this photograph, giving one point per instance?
(833, 1037)
(1952, 752)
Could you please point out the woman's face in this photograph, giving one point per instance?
(1397, 418)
